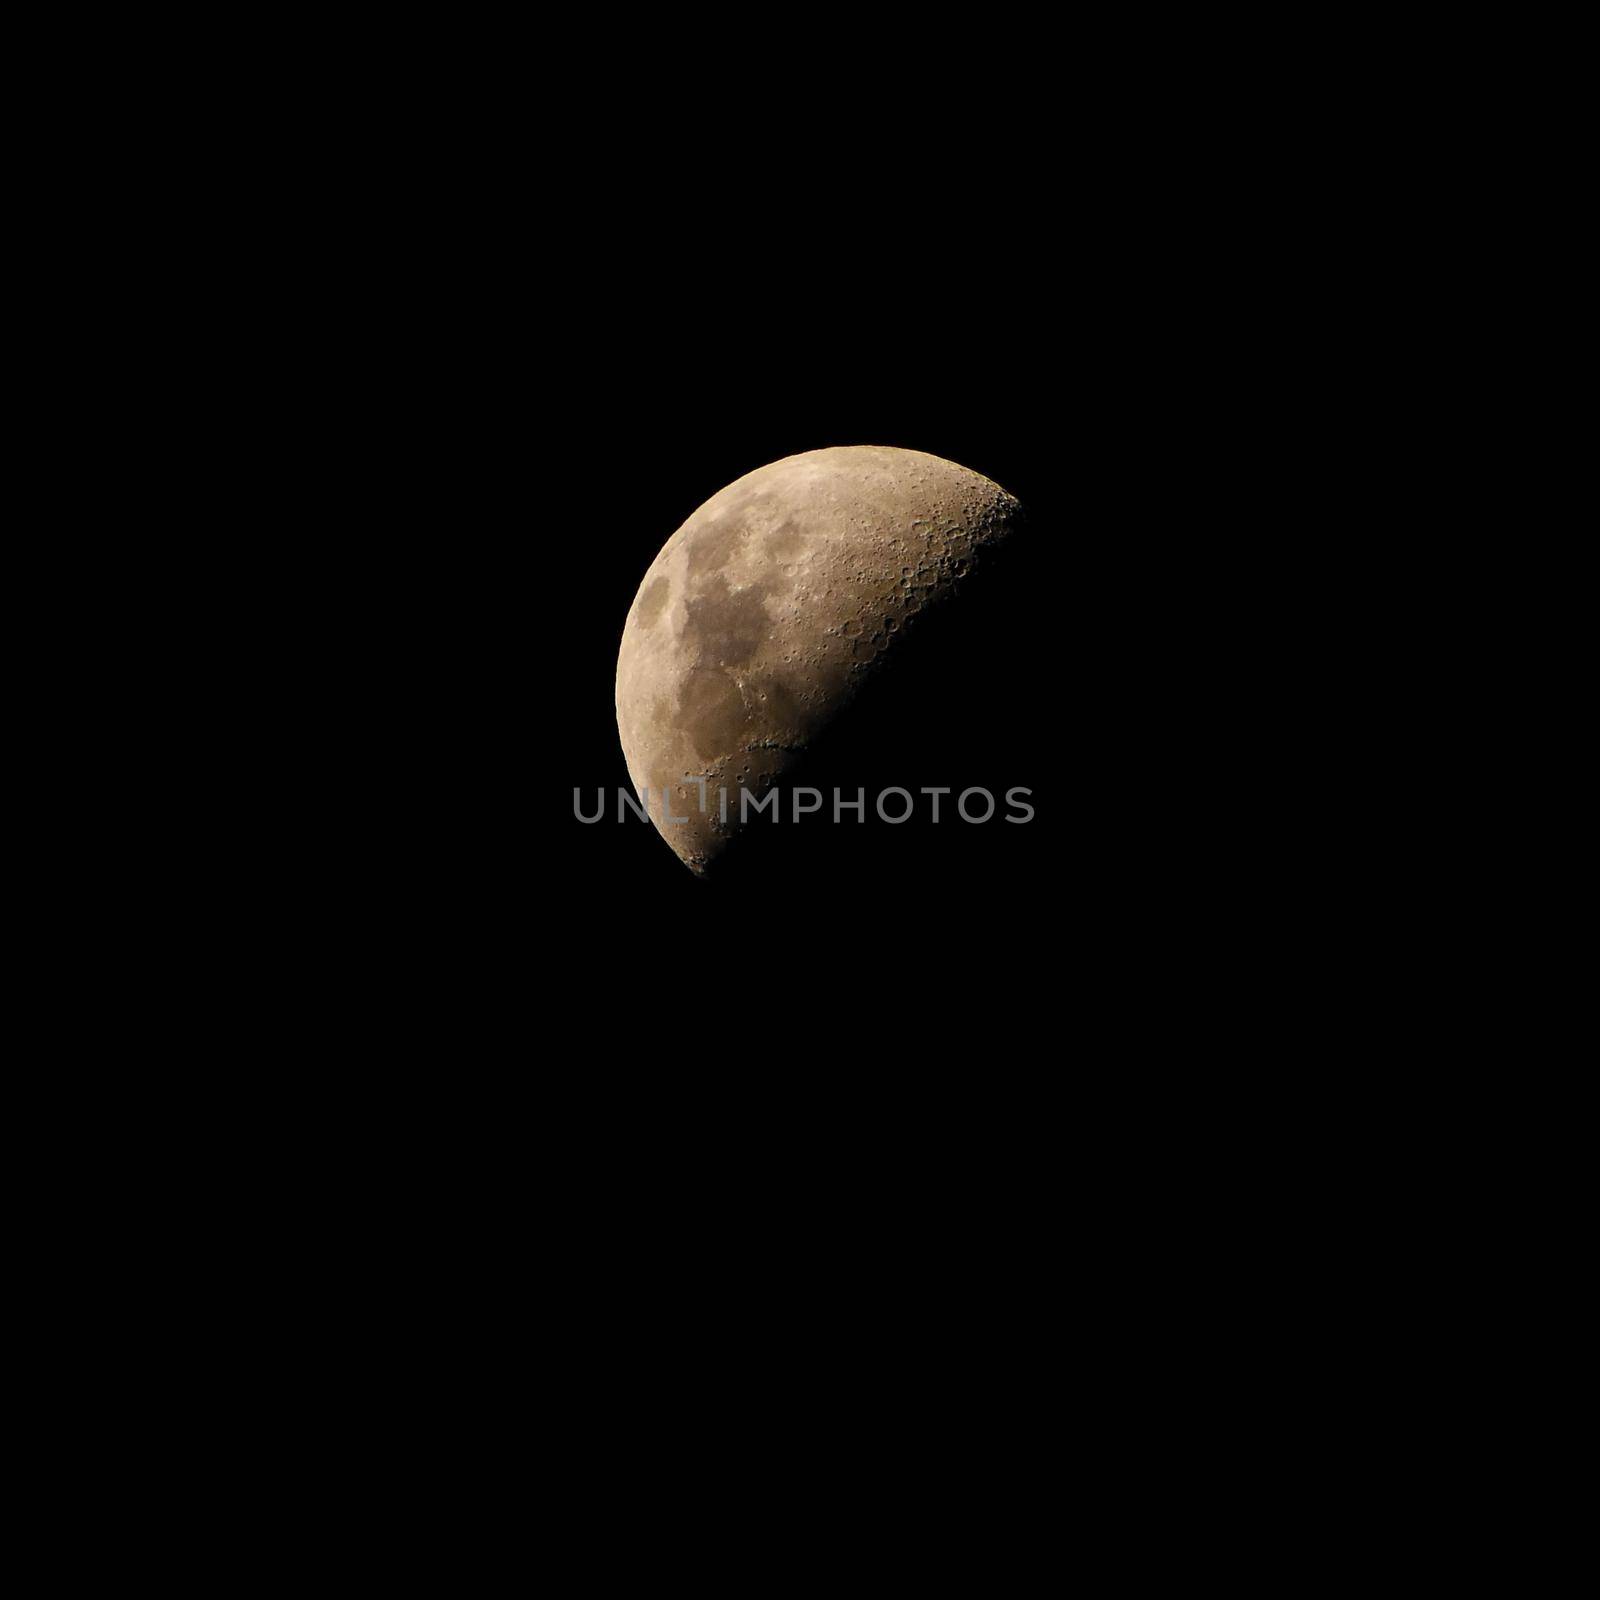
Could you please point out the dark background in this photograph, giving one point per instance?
(1111, 662)
(543, 441)
(918, 1077)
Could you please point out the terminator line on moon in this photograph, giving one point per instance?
(766, 611)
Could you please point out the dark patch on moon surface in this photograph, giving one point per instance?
(652, 598)
(712, 712)
(787, 540)
(726, 627)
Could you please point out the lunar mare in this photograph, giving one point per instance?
(766, 612)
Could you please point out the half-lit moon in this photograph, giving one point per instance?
(767, 610)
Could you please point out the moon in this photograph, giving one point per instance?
(771, 607)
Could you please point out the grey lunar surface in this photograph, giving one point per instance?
(771, 606)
